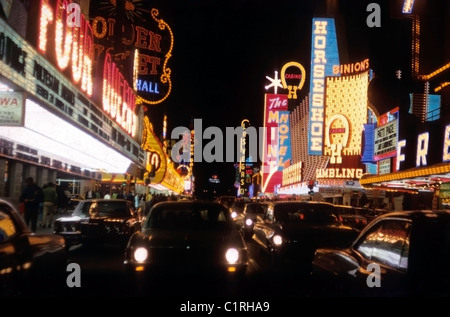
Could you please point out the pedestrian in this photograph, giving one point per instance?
(89, 194)
(31, 196)
(50, 199)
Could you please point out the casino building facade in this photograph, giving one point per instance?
(67, 114)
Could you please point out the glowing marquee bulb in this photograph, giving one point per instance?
(46, 18)
(63, 36)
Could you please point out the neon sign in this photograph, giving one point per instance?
(324, 54)
(118, 97)
(72, 46)
(351, 68)
(153, 46)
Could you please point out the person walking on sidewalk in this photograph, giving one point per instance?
(50, 198)
(31, 196)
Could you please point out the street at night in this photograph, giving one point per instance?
(224, 155)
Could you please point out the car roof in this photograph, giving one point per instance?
(190, 203)
(418, 214)
(105, 199)
(303, 202)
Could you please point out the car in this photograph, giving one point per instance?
(351, 216)
(187, 237)
(237, 209)
(398, 254)
(99, 221)
(227, 200)
(291, 231)
(249, 216)
(30, 263)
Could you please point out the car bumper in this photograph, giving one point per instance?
(71, 238)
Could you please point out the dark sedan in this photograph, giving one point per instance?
(350, 216)
(187, 237)
(291, 231)
(397, 254)
(29, 262)
(249, 217)
(98, 221)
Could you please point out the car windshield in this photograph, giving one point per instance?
(193, 218)
(102, 209)
(305, 213)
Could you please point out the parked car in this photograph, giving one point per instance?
(248, 218)
(187, 237)
(351, 216)
(29, 262)
(99, 221)
(291, 231)
(397, 254)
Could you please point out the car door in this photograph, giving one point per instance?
(15, 255)
(382, 253)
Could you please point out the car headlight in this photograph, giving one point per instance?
(248, 222)
(277, 240)
(232, 255)
(233, 214)
(140, 254)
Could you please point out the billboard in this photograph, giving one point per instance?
(11, 108)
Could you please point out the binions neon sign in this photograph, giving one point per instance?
(72, 45)
(118, 97)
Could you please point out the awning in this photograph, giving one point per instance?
(412, 179)
(114, 178)
(45, 135)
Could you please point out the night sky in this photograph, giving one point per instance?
(223, 51)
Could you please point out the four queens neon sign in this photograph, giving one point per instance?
(118, 97)
(72, 45)
(73, 50)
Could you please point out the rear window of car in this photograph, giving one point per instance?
(187, 218)
(346, 211)
(256, 209)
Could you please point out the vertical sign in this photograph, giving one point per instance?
(324, 54)
(275, 106)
